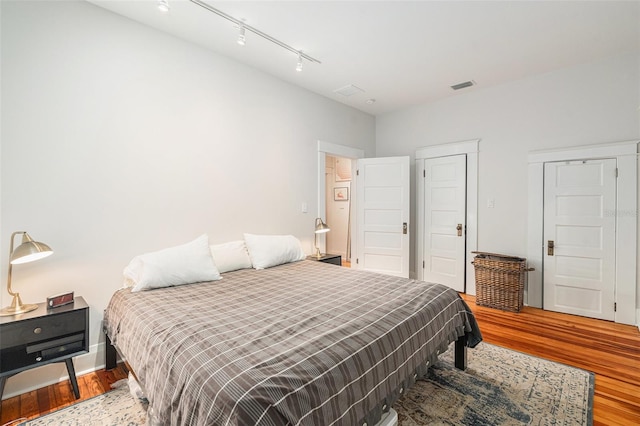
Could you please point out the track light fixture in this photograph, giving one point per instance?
(163, 6)
(299, 65)
(241, 37)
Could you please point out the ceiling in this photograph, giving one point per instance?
(402, 53)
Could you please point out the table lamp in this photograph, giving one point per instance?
(27, 251)
(321, 228)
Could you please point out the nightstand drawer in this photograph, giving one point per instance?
(334, 259)
(22, 356)
(44, 328)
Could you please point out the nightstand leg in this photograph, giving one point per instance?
(72, 377)
(3, 380)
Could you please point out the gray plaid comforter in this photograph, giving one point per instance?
(302, 343)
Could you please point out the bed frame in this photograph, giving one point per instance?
(460, 353)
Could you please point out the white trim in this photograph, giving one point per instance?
(470, 148)
(453, 148)
(533, 292)
(328, 148)
(626, 154)
(340, 150)
(615, 149)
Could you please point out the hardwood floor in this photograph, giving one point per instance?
(50, 398)
(611, 351)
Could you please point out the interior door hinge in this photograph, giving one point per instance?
(424, 173)
(616, 172)
(423, 264)
(357, 261)
(357, 172)
(615, 307)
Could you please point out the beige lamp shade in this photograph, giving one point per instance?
(28, 251)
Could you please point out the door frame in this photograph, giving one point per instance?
(332, 149)
(626, 154)
(470, 148)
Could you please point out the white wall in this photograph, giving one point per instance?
(590, 104)
(118, 139)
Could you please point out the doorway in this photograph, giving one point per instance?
(326, 150)
(338, 178)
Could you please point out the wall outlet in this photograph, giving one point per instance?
(491, 203)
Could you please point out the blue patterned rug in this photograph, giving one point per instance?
(499, 387)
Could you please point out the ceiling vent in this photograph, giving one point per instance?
(463, 85)
(348, 90)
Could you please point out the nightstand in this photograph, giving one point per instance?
(334, 259)
(42, 337)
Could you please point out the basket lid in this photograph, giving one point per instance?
(503, 256)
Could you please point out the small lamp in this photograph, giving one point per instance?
(321, 228)
(28, 251)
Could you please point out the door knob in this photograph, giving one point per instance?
(550, 247)
(459, 229)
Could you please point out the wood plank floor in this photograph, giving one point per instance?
(611, 351)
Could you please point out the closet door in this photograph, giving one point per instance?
(580, 237)
(445, 221)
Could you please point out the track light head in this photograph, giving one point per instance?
(241, 36)
(299, 65)
(163, 6)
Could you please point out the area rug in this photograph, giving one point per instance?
(499, 387)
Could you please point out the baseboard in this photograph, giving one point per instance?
(46, 375)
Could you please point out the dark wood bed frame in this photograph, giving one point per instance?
(460, 354)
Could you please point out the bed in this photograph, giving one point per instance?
(300, 343)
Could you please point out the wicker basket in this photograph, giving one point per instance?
(500, 281)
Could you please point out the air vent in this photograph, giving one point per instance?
(463, 85)
(348, 90)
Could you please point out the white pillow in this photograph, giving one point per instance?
(231, 256)
(271, 250)
(185, 264)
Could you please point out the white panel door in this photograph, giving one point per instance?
(580, 237)
(382, 208)
(445, 215)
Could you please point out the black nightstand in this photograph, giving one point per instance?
(42, 337)
(334, 259)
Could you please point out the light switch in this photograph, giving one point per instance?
(491, 203)
(305, 208)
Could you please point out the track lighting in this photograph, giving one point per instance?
(299, 65)
(244, 27)
(241, 36)
(163, 6)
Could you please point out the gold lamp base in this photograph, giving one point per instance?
(17, 307)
